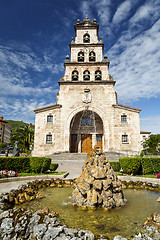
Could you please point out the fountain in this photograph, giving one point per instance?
(98, 184)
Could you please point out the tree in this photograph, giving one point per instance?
(152, 144)
(24, 135)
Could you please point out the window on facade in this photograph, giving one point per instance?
(124, 138)
(86, 121)
(80, 57)
(86, 75)
(50, 119)
(144, 137)
(75, 75)
(98, 75)
(92, 56)
(49, 139)
(123, 118)
(86, 38)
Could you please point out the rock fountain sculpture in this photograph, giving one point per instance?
(98, 184)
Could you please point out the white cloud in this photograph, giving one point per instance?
(102, 7)
(149, 11)
(136, 67)
(15, 67)
(122, 12)
(21, 109)
(104, 11)
(85, 8)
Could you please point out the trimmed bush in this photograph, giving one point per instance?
(150, 165)
(39, 164)
(18, 164)
(25, 164)
(53, 166)
(116, 166)
(131, 165)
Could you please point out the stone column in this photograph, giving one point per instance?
(94, 142)
(79, 142)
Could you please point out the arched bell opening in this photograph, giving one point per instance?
(86, 131)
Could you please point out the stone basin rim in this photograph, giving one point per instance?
(71, 181)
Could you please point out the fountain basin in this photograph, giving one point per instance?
(124, 221)
(98, 220)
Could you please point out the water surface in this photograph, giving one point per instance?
(124, 221)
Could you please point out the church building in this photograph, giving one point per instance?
(86, 112)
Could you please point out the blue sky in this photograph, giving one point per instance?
(35, 37)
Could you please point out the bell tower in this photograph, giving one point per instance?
(86, 63)
(85, 87)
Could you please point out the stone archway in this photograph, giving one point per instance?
(86, 131)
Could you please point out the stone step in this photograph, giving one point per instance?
(82, 156)
(68, 156)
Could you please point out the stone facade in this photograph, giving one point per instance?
(5, 131)
(86, 113)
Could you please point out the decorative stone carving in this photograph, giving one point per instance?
(87, 97)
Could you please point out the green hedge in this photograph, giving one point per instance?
(18, 164)
(116, 166)
(138, 165)
(25, 164)
(53, 166)
(40, 164)
(131, 165)
(150, 165)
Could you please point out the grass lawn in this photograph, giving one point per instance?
(146, 176)
(39, 174)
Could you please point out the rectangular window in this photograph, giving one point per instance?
(123, 118)
(125, 138)
(49, 119)
(48, 138)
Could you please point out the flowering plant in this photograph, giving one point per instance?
(158, 175)
(6, 173)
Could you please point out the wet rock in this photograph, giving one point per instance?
(156, 217)
(33, 221)
(85, 235)
(70, 232)
(153, 221)
(4, 214)
(119, 238)
(39, 230)
(49, 220)
(98, 184)
(153, 232)
(53, 232)
(7, 226)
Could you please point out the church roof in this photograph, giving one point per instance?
(144, 132)
(47, 108)
(127, 107)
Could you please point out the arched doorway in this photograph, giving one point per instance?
(86, 131)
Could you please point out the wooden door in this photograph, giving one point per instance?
(86, 143)
(99, 141)
(74, 144)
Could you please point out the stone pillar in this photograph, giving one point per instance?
(79, 142)
(94, 142)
